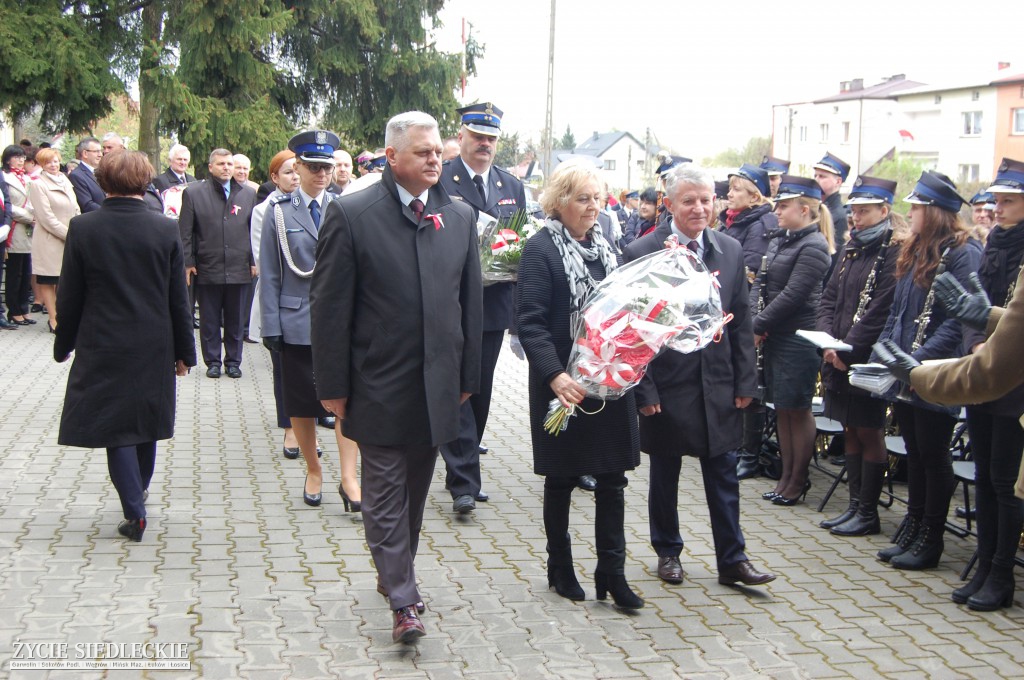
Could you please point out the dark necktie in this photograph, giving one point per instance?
(478, 180)
(416, 205)
(314, 212)
(692, 245)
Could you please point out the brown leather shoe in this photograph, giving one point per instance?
(670, 570)
(743, 572)
(408, 627)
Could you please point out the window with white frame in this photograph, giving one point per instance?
(823, 130)
(969, 172)
(609, 164)
(1018, 121)
(846, 132)
(803, 133)
(971, 123)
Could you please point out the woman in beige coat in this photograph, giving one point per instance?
(54, 203)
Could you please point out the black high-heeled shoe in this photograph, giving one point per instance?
(565, 583)
(132, 529)
(356, 506)
(769, 495)
(311, 498)
(782, 500)
(616, 584)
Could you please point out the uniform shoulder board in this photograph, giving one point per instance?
(283, 198)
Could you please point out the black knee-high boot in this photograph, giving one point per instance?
(853, 471)
(610, 538)
(866, 521)
(561, 574)
(748, 463)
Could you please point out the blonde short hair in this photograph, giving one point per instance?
(564, 183)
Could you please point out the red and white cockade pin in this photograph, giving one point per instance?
(235, 209)
(438, 221)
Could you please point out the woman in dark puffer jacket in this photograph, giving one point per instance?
(798, 257)
(749, 218)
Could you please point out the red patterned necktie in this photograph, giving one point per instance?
(416, 205)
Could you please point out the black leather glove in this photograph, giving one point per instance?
(896, 360)
(273, 342)
(970, 307)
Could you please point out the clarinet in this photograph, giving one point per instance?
(762, 302)
(926, 312)
(923, 320)
(869, 284)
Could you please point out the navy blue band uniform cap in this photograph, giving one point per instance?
(484, 119)
(315, 146)
(792, 186)
(633, 194)
(671, 162)
(935, 189)
(377, 163)
(835, 165)
(1009, 178)
(984, 198)
(756, 175)
(774, 166)
(872, 190)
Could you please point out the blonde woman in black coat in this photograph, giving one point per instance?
(559, 267)
(121, 392)
(798, 258)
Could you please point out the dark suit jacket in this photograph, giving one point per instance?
(505, 196)
(87, 189)
(121, 387)
(167, 179)
(697, 391)
(396, 313)
(215, 232)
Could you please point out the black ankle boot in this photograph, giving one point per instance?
(853, 471)
(865, 522)
(964, 592)
(616, 584)
(905, 538)
(924, 553)
(563, 579)
(749, 463)
(996, 593)
(132, 529)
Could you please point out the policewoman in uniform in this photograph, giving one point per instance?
(291, 228)
(473, 179)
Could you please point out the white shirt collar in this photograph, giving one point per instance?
(406, 197)
(306, 198)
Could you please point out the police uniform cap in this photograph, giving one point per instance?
(934, 188)
(774, 166)
(872, 190)
(833, 164)
(1009, 178)
(315, 146)
(756, 175)
(792, 186)
(633, 194)
(670, 162)
(484, 119)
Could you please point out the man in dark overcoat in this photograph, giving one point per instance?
(691, 404)
(176, 173)
(396, 317)
(214, 225)
(472, 178)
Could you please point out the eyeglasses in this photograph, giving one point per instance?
(318, 168)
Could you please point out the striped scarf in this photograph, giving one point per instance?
(574, 257)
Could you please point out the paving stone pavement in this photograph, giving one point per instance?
(261, 586)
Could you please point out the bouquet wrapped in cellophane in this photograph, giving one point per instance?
(664, 300)
(501, 245)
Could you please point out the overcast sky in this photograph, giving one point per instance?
(704, 75)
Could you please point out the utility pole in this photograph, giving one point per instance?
(551, 96)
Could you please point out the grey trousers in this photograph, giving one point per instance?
(395, 485)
